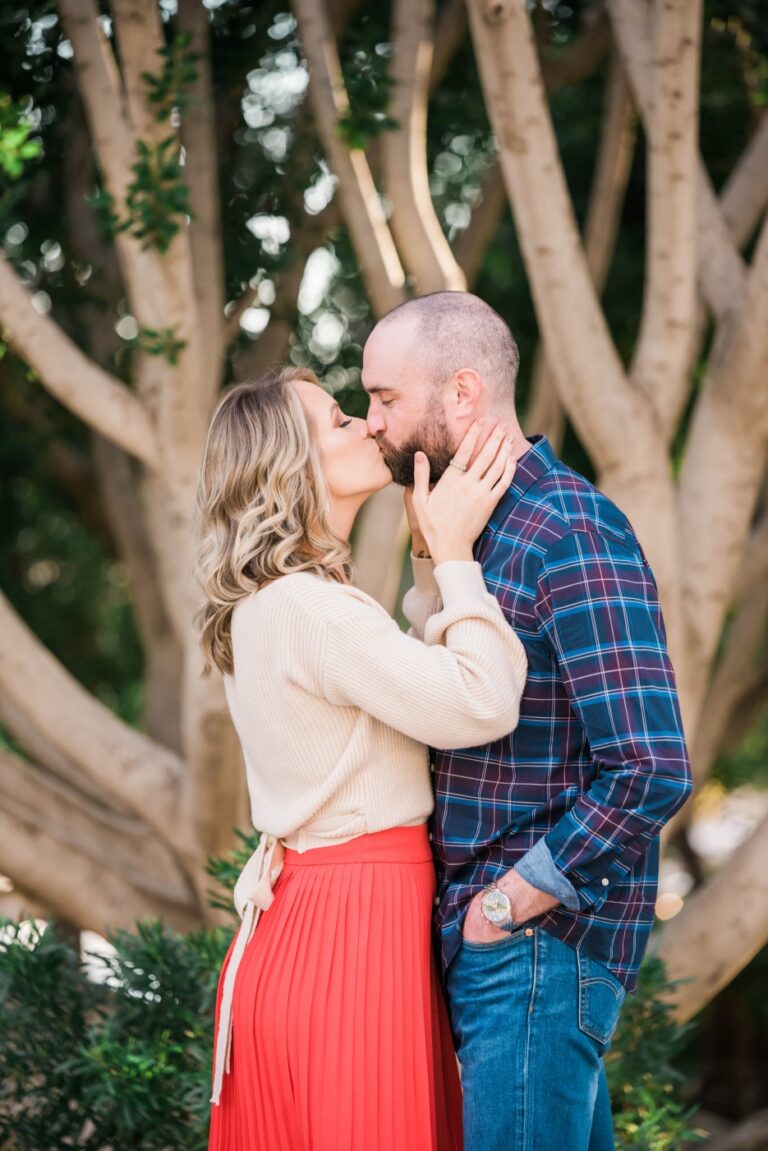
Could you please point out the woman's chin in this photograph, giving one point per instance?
(378, 483)
(386, 478)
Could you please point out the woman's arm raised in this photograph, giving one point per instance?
(459, 688)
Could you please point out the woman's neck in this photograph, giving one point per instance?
(342, 514)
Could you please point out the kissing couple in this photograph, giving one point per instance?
(456, 876)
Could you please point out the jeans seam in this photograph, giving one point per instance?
(527, 1102)
(594, 979)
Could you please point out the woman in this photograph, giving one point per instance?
(331, 1030)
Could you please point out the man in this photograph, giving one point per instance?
(546, 842)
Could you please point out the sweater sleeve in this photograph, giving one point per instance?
(423, 599)
(460, 687)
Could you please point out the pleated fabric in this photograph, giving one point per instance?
(340, 1035)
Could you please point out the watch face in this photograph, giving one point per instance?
(496, 907)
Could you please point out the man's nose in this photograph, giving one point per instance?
(376, 423)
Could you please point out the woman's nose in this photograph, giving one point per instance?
(362, 428)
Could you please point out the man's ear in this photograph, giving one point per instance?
(466, 393)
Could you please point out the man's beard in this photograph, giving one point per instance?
(430, 436)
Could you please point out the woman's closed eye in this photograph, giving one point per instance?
(345, 423)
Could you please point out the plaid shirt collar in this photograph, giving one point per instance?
(531, 466)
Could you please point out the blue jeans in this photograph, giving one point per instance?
(532, 1019)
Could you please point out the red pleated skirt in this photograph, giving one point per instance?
(340, 1035)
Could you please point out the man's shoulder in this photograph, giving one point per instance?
(563, 504)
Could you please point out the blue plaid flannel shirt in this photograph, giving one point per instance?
(576, 795)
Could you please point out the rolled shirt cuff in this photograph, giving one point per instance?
(537, 868)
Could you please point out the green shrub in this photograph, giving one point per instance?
(643, 1079)
(125, 1063)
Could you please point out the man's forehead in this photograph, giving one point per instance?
(388, 356)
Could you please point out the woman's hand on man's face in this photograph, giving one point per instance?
(454, 512)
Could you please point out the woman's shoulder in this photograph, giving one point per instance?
(308, 592)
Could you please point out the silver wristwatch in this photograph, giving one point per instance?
(497, 909)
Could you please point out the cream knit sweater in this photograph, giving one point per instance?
(334, 705)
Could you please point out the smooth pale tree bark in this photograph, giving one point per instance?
(544, 413)
(724, 465)
(126, 764)
(163, 653)
(79, 885)
(740, 670)
(721, 275)
(121, 842)
(722, 926)
(425, 250)
(379, 262)
(745, 193)
(660, 364)
(198, 133)
(86, 389)
(579, 61)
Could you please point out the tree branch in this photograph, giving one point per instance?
(591, 381)
(740, 668)
(98, 398)
(114, 143)
(146, 777)
(724, 465)
(120, 842)
(37, 748)
(139, 37)
(614, 162)
(579, 60)
(198, 134)
(379, 262)
(744, 195)
(75, 888)
(425, 249)
(162, 650)
(711, 959)
(660, 362)
(721, 271)
(612, 419)
(472, 244)
(450, 32)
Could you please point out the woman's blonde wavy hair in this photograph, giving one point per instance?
(261, 504)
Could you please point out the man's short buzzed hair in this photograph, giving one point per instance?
(458, 330)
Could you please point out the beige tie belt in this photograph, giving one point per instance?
(253, 894)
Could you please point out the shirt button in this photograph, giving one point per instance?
(431, 767)
(430, 836)
(605, 881)
(437, 901)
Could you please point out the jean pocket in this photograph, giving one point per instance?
(601, 996)
(498, 944)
